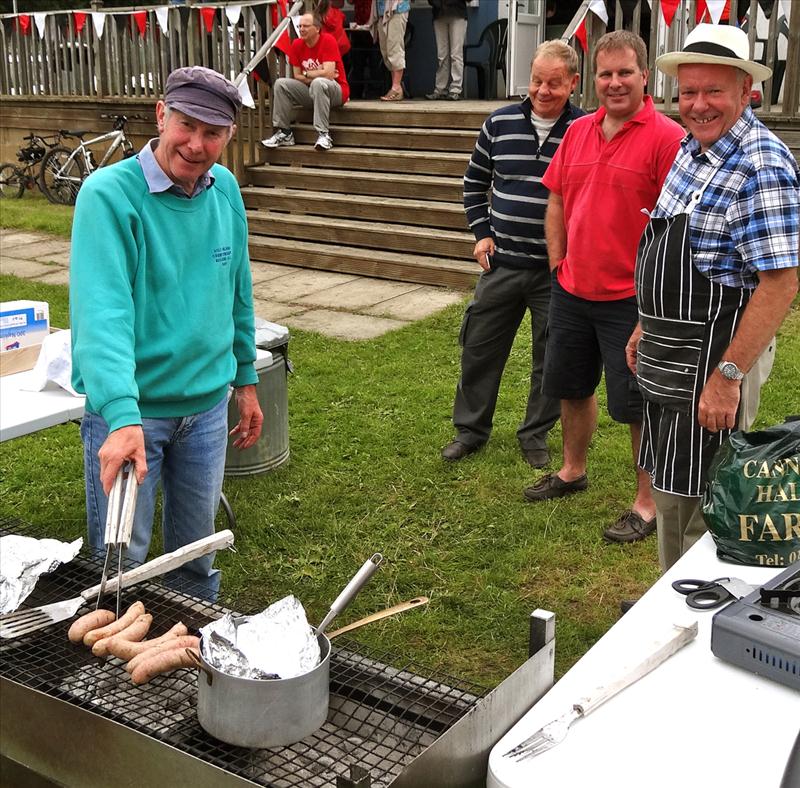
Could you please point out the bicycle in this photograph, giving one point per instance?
(64, 170)
(16, 178)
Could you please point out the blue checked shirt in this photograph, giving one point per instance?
(748, 219)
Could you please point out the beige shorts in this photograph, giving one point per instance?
(391, 37)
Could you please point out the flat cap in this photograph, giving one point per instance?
(203, 94)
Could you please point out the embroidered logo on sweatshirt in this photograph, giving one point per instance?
(222, 255)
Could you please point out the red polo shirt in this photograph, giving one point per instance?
(326, 50)
(605, 184)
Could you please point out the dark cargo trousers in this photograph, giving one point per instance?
(487, 335)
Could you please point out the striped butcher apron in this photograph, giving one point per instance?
(687, 323)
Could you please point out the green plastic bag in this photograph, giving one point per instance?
(752, 502)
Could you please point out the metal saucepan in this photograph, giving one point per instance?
(273, 712)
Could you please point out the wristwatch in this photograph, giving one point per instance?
(305, 74)
(729, 370)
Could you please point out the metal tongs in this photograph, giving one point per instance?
(119, 524)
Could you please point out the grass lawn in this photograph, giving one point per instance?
(367, 420)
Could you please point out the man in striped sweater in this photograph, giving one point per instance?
(510, 158)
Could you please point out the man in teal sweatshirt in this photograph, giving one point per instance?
(162, 321)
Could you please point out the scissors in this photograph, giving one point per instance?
(709, 594)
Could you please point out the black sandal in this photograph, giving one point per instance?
(552, 485)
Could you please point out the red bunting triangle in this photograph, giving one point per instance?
(207, 15)
(580, 34)
(668, 8)
(700, 11)
(24, 23)
(140, 17)
(80, 20)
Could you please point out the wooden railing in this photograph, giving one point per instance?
(133, 56)
(774, 41)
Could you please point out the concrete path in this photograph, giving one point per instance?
(343, 306)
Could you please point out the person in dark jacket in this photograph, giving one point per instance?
(450, 29)
(509, 161)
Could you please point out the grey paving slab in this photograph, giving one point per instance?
(290, 288)
(342, 325)
(13, 237)
(59, 277)
(358, 294)
(421, 303)
(274, 310)
(61, 258)
(263, 272)
(37, 249)
(27, 269)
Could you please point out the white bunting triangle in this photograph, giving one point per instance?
(39, 19)
(598, 7)
(247, 96)
(786, 4)
(99, 23)
(162, 15)
(233, 12)
(715, 9)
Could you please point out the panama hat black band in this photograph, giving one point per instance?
(707, 48)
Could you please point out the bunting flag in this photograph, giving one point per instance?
(207, 15)
(598, 8)
(715, 9)
(246, 95)
(140, 17)
(98, 22)
(162, 15)
(24, 22)
(233, 12)
(284, 43)
(80, 20)
(668, 8)
(40, 18)
(786, 9)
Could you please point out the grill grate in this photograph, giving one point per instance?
(381, 717)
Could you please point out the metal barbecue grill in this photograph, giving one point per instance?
(79, 720)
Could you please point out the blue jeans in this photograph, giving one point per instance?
(187, 455)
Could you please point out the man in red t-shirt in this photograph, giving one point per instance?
(607, 173)
(319, 81)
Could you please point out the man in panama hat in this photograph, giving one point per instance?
(715, 276)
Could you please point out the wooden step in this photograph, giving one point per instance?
(420, 213)
(439, 188)
(365, 262)
(413, 114)
(391, 138)
(373, 160)
(388, 237)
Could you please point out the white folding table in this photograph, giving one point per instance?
(694, 721)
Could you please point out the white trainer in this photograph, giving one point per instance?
(280, 139)
(324, 142)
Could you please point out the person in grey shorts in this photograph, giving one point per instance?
(511, 155)
(319, 81)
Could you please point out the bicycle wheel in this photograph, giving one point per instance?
(11, 185)
(61, 176)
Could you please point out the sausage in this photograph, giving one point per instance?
(131, 614)
(85, 624)
(135, 632)
(163, 662)
(123, 648)
(186, 641)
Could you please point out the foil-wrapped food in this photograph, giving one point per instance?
(23, 560)
(277, 643)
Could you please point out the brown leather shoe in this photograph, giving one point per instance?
(629, 527)
(551, 485)
(456, 450)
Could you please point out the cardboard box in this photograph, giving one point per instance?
(21, 359)
(23, 324)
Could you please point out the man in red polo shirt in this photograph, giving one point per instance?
(319, 81)
(607, 173)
